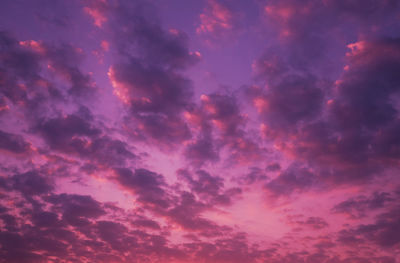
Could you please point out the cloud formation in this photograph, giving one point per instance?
(210, 132)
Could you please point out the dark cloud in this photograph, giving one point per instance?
(202, 150)
(181, 208)
(31, 183)
(221, 115)
(224, 111)
(382, 232)
(359, 206)
(77, 210)
(149, 80)
(9, 222)
(147, 185)
(13, 143)
(284, 104)
(78, 134)
(64, 61)
(25, 80)
(45, 219)
(306, 44)
(365, 10)
(255, 175)
(208, 188)
(363, 104)
(16, 249)
(315, 223)
(202, 182)
(365, 88)
(113, 234)
(150, 89)
(273, 167)
(233, 248)
(187, 214)
(144, 37)
(106, 150)
(294, 179)
(350, 137)
(18, 67)
(146, 223)
(63, 133)
(327, 128)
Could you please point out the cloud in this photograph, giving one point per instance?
(202, 150)
(146, 223)
(218, 22)
(61, 132)
(63, 61)
(294, 99)
(13, 143)
(150, 89)
(119, 161)
(307, 43)
(37, 76)
(359, 206)
(147, 185)
(149, 80)
(97, 10)
(315, 223)
(208, 188)
(31, 183)
(294, 179)
(255, 175)
(219, 123)
(346, 137)
(382, 231)
(76, 210)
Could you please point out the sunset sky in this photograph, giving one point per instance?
(200, 131)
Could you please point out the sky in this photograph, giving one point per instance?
(209, 131)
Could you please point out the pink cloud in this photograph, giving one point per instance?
(218, 22)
